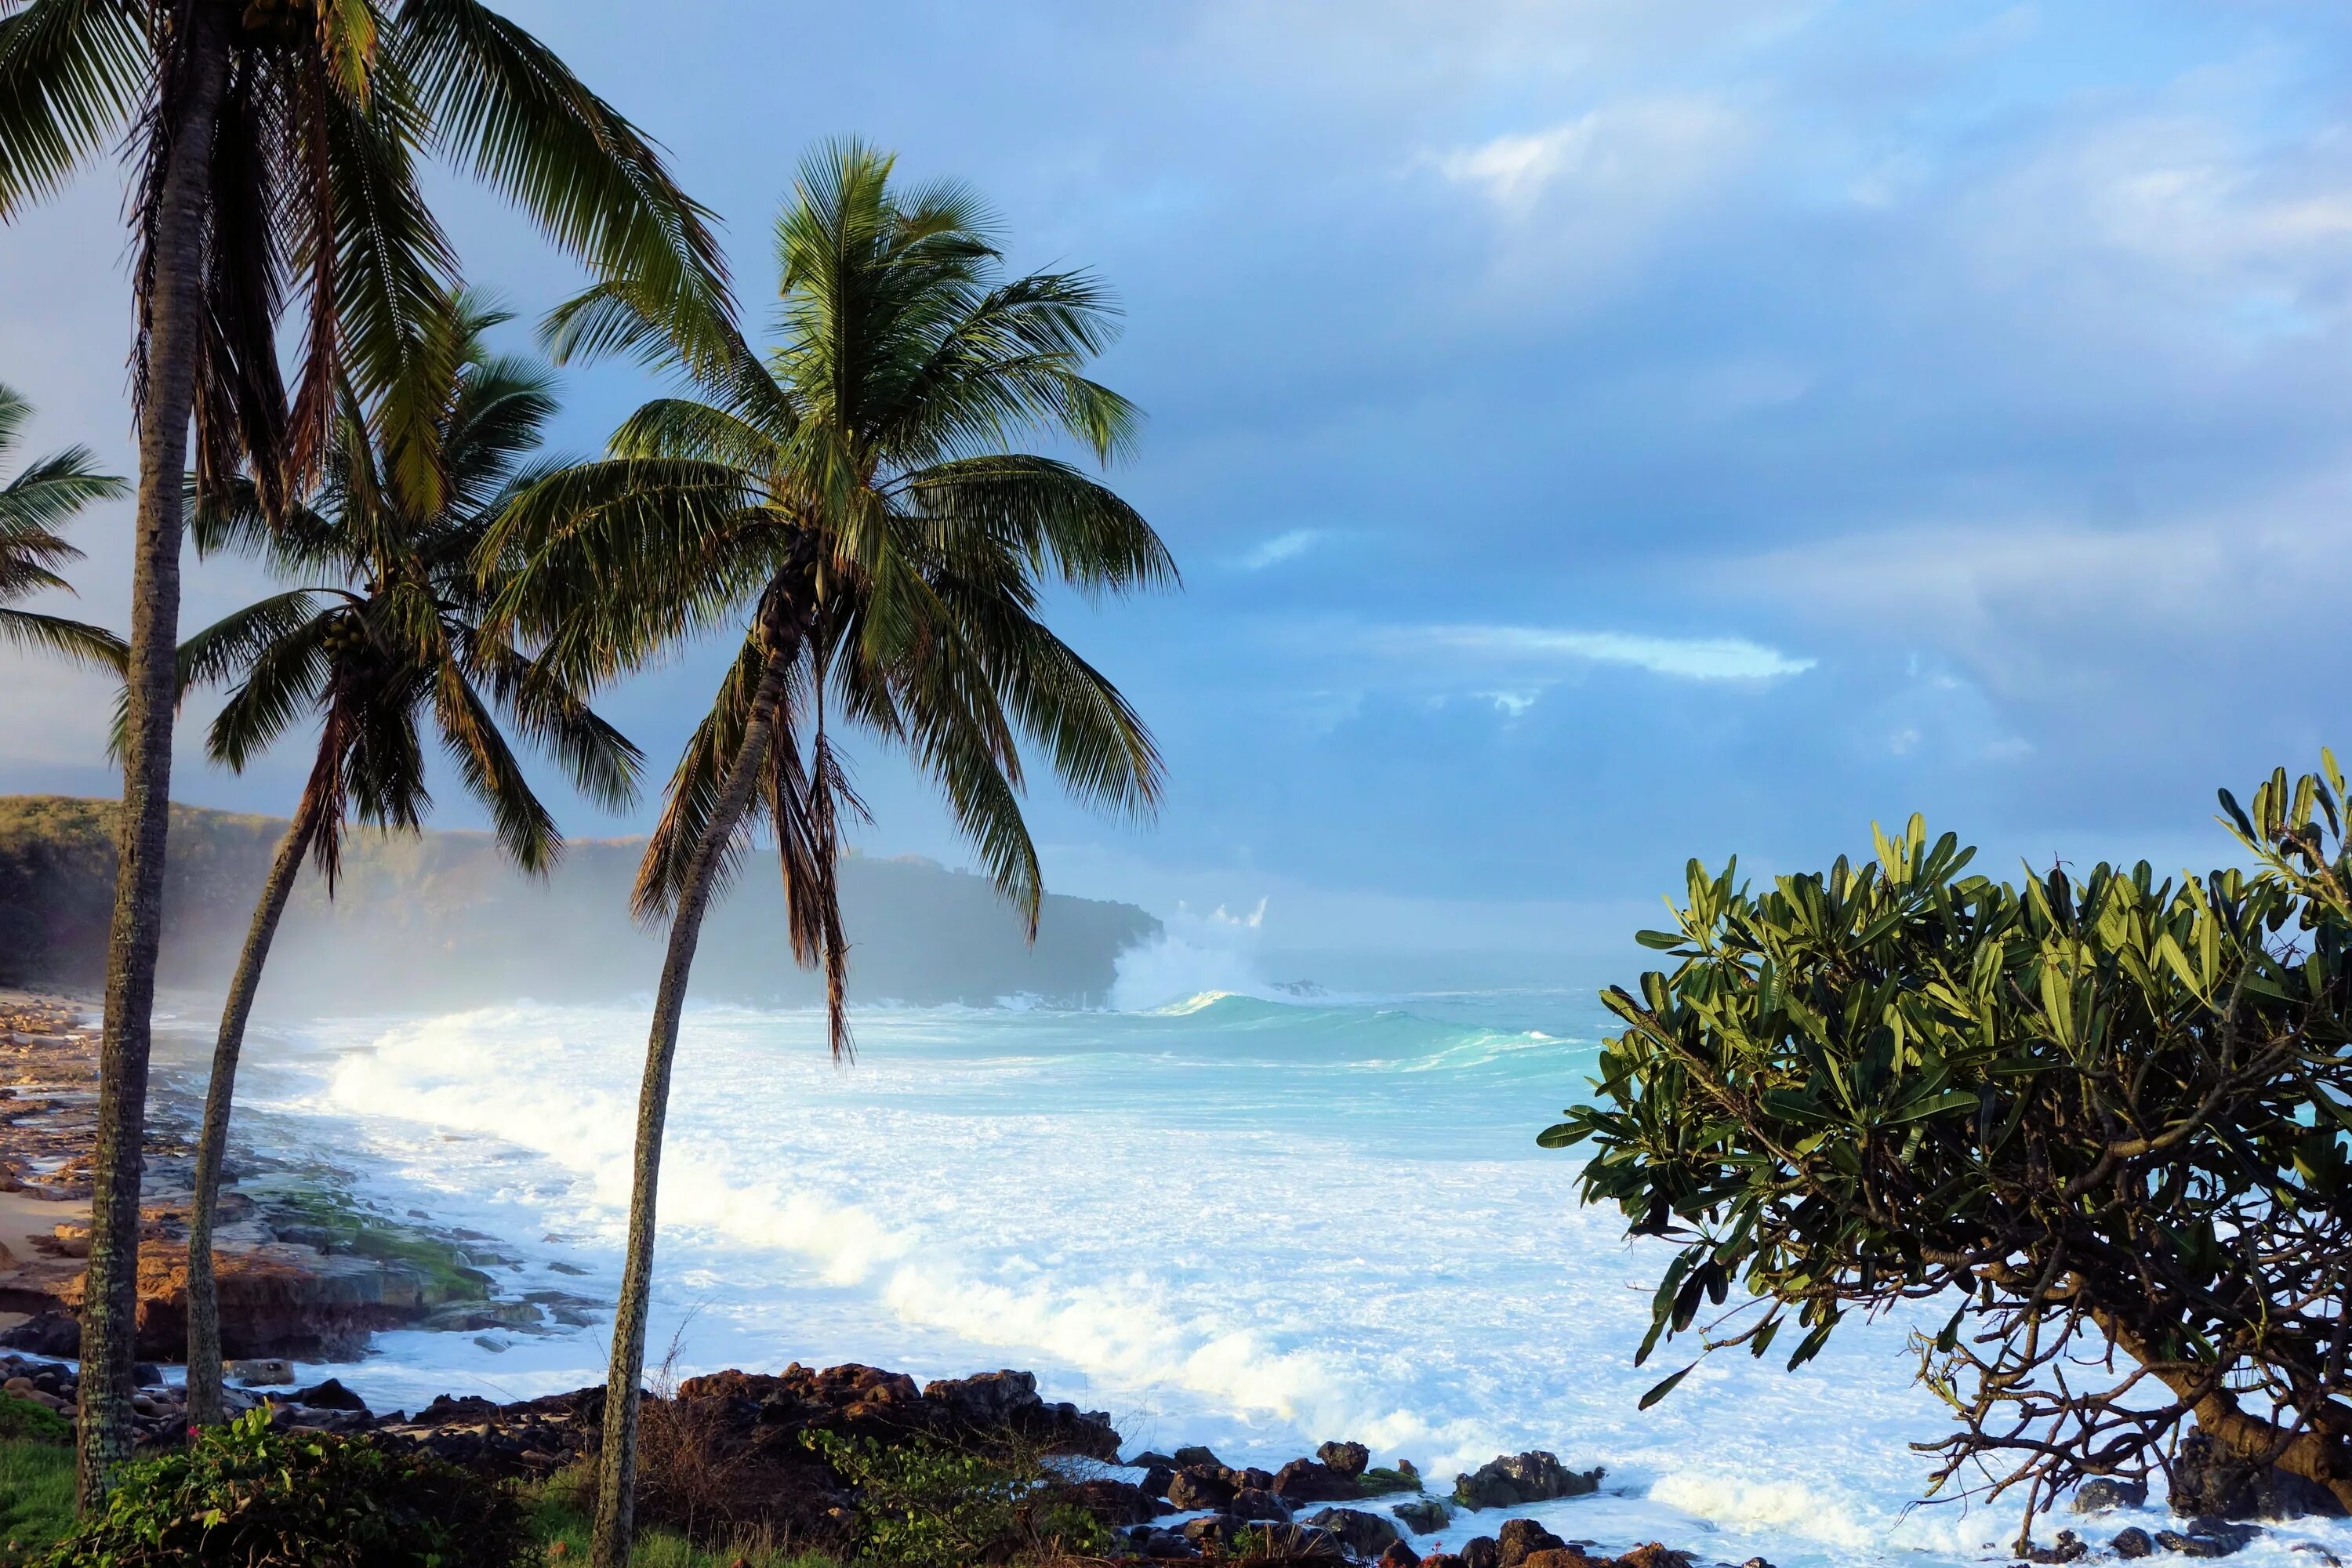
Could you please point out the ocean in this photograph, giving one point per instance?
(1253, 1221)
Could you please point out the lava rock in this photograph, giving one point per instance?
(1310, 1481)
(260, 1371)
(2101, 1494)
(1521, 1538)
(45, 1333)
(2133, 1542)
(1149, 1457)
(2067, 1547)
(1423, 1516)
(2207, 1538)
(1509, 1481)
(1255, 1505)
(2207, 1484)
(1399, 1556)
(1481, 1551)
(1155, 1480)
(1209, 1531)
(1200, 1485)
(1347, 1459)
(1185, 1458)
(330, 1395)
(1652, 1555)
(1365, 1534)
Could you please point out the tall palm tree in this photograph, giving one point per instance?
(851, 506)
(277, 145)
(33, 506)
(386, 639)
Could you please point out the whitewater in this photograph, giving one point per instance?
(1256, 1222)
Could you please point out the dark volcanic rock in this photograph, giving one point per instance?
(1480, 1552)
(1520, 1538)
(1506, 1481)
(1423, 1516)
(1309, 1480)
(1116, 1503)
(1155, 1480)
(2133, 1542)
(1200, 1485)
(2207, 1538)
(1195, 1454)
(44, 1333)
(1365, 1534)
(1347, 1459)
(2067, 1547)
(1400, 1556)
(2101, 1494)
(330, 1395)
(2206, 1484)
(1255, 1505)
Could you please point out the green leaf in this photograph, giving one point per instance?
(1661, 1390)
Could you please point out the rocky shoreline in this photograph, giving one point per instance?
(303, 1273)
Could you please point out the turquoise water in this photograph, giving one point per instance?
(1254, 1221)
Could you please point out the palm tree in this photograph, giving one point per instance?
(277, 146)
(849, 506)
(386, 639)
(33, 507)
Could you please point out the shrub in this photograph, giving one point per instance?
(2102, 1113)
(248, 1495)
(20, 1417)
(924, 1505)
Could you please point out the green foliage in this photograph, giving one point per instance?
(330, 1220)
(925, 1505)
(557, 1517)
(1380, 1482)
(245, 1494)
(20, 1417)
(2107, 1108)
(36, 1496)
(33, 506)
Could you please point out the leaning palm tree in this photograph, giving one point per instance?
(382, 641)
(33, 507)
(276, 146)
(851, 508)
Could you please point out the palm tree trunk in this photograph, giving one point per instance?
(204, 1299)
(617, 1462)
(175, 325)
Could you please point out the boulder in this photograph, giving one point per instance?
(1309, 1480)
(45, 1333)
(1195, 1454)
(1521, 1538)
(2102, 1494)
(1155, 1480)
(1249, 1478)
(1365, 1534)
(1442, 1560)
(1348, 1459)
(1255, 1505)
(1480, 1552)
(2207, 1538)
(330, 1395)
(1654, 1554)
(1162, 1545)
(1400, 1555)
(2207, 1484)
(1210, 1530)
(260, 1371)
(1200, 1485)
(1148, 1458)
(1423, 1516)
(1509, 1481)
(2133, 1542)
(1562, 1557)
(2067, 1547)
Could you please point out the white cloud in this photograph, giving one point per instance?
(1686, 658)
(1282, 547)
(1640, 157)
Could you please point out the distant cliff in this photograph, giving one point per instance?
(442, 921)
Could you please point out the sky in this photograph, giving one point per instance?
(1593, 435)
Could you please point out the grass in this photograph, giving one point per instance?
(557, 1521)
(37, 1495)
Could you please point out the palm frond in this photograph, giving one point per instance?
(287, 675)
(93, 647)
(71, 73)
(241, 638)
(526, 830)
(52, 489)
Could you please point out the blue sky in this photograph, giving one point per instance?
(1593, 433)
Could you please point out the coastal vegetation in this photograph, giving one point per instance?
(852, 505)
(277, 150)
(2099, 1117)
(39, 499)
(381, 640)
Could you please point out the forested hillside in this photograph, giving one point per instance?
(441, 920)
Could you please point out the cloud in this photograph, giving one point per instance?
(1282, 547)
(1644, 154)
(1682, 659)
